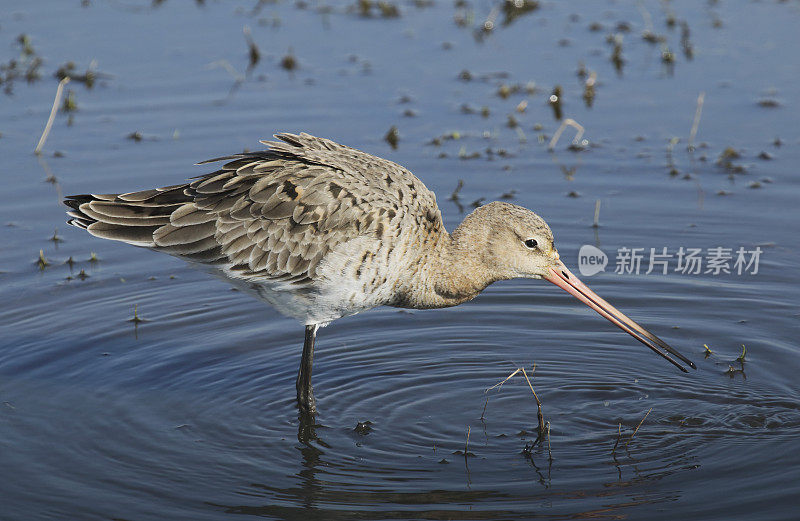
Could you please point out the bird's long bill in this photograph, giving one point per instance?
(564, 279)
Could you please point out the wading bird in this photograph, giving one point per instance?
(320, 231)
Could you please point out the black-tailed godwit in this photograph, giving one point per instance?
(320, 231)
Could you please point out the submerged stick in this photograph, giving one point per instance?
(549, 452)
(538, 402)
(696, 123)
(53, 111)
(540, 416)
(619, 435)
(637, 427)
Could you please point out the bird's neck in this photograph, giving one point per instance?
(453, 271)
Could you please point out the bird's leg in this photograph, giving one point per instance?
(305, 393)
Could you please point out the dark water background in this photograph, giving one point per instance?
(190, 414)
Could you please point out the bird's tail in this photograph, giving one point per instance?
(163, 218)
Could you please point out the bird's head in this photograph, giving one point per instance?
(510, 241)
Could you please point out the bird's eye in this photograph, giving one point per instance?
(531, 243)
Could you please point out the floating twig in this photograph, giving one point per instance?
(53, 111)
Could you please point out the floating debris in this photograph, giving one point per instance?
(392, 137)
(588, 89)
(651, 37)
(363, 428)
(449, 136)
(463, 155)
(725, 160)
(387, 9)
(504, 91)
(25, 42)
(513, 9)
(616, 55)
(289, 62)
(686, 44)
(42, 262)
(88, 78)
(770, 103)
(70, 103)
(555, 101)
(253, 53)
(667, 56)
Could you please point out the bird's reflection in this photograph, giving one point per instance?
(311, 455)
(312, 494)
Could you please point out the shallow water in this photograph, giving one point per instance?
(190, 413)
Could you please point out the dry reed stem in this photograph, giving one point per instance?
(53, 112)
(500, 384)
(696, 123)
(564, 124)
